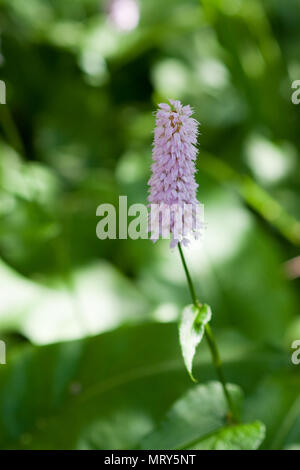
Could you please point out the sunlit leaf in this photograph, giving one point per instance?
(237, 437)
(191, 331)
(99, 298)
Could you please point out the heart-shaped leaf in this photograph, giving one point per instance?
(198, 420)
(191, 331)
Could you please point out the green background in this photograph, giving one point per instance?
(93, 359)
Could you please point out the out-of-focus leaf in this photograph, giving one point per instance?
(18, 293)
(191, 331)
(198, 420)
(238, 437)
(85, 393)
(70, 389)
(276, 401)
(97, 299)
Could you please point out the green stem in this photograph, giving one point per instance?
(188, 276)
(216, 358)
(218, 366)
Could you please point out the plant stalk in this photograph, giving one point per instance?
(216, 358)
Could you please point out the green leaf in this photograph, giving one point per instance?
(237, 437)
(111, 390)
(55, 396)
(198, 420)
(100, 298)
(191, 331)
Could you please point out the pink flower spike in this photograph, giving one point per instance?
(172, 183)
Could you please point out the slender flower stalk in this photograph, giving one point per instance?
(173, 185)
(211, 343)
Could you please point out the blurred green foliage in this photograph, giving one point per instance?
(77, 132)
